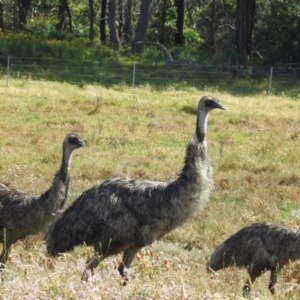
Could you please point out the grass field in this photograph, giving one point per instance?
(254, 146)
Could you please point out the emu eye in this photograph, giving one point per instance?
(73, 140)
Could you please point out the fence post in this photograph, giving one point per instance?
(270, 81)
(133, 74)
(7, 70)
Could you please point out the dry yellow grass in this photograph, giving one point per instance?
(142, 133)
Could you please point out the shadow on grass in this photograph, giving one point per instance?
(158, 76)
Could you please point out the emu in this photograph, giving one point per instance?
(125, 215)
(22, 214)
(259, 247)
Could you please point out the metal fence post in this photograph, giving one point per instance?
(7, 70)
(270, 81)
(133, 74)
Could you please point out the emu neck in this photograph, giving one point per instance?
(195, 182)
(56, 196)
(201, 125)
(196, 161)
(65, 164)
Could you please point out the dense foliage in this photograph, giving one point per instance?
(278, 32)
(72, 29)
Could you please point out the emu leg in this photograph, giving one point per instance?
(247, 288)
(2, 260)
(91, 264)
(273, 281)
(248, 283)
(128, 257)
(4, 256)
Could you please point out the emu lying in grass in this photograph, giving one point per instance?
(125, 215)
(259, 247)
(22, 214)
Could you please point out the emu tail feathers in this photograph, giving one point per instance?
(60, 238)
(221, 258)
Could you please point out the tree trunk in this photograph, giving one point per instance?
(142, 27)
(15, 15)
(102, 24)
(64, 14)
(127, 29)
(21, 8)
(44, 7)
(114, 37)
(179, 38)
(245, 26)
(161, 32)
(120, 19)
(1, 17)
(212, 33)
(92, 18)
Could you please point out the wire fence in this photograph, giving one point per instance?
(228, 77)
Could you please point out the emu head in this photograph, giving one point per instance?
(206, 104)
(73, 141)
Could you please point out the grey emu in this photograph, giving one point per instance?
(259, 247)
(125, 215)
(22, 214)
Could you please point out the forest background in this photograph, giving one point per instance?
(70, 66)
(177, 40)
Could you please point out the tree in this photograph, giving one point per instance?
(23, 7)
(278, 41)
(127, 28)
(102, 24)
(244, 29)
(142, 26)
(91, 17)
(64, 14)
(1, 16)
(120, 19)
(179, 39)
(213, 25)
(114, 37)
(163, 20)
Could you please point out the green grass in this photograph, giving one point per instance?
(142, 133)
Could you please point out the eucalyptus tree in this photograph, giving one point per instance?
(142, 25)
(92, 19)
(179, 37)
(244, 28)
(64, 16)
(114, 37)
(1, 17)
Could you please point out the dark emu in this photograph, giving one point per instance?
(22, 214)
(125, 215)
(259, 247)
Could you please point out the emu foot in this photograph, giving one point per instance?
(246, 290)
(272, 289)
(124, 274)
(86, 274)
(125, 279)
(89, 269)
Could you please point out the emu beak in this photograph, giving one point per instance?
(216, 104)
(81, 143)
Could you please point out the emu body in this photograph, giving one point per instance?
(125, 215)
(22, 214)
(259, 247)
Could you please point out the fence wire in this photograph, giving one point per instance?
(248, 79)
